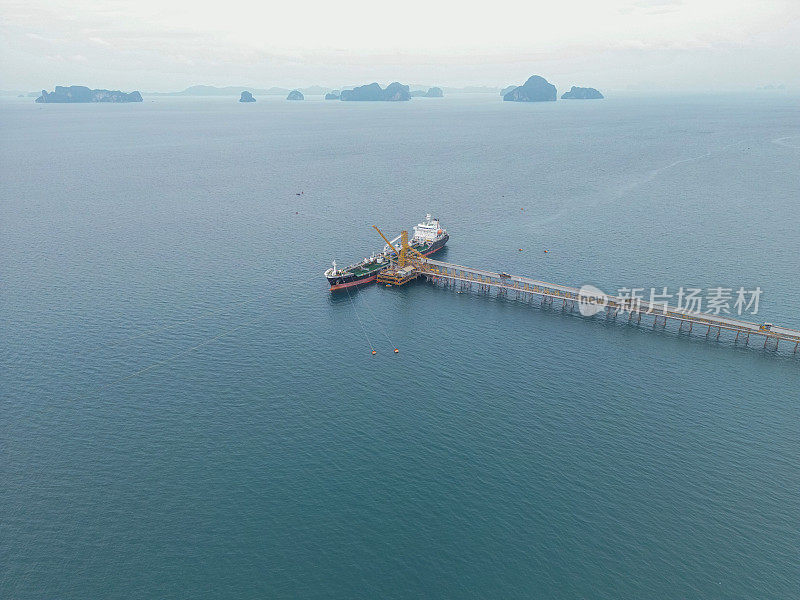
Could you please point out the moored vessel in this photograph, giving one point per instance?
(429, 237)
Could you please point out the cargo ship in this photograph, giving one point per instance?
(429, 237)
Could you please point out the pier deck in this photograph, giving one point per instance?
(483, 280)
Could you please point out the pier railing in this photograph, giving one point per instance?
(635, 308)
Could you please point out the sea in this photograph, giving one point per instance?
(187, 411)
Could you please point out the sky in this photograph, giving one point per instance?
(166, 45)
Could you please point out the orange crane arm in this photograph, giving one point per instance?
(403, 245)
(417, 252)
(384, 238)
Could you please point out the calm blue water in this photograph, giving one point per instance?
(188, 413)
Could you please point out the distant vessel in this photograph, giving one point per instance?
(429, 237)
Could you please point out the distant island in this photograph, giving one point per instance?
(505, 90)
(433, 92)
(582, 93)
(536, 89)
(210, 90)
(471, 89)
(20, 93)
(80, 93)
(394, 92)
(313, 90)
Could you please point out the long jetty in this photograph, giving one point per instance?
(469, 278)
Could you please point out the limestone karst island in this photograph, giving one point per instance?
(538, 89)
(582, 93)
(392, 93)
(80, 93)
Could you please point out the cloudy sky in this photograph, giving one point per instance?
(161, 45)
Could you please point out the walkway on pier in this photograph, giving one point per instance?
(467, 277)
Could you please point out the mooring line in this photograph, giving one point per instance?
(364, 329)
(381, 326)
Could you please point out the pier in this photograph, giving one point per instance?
(633, 309)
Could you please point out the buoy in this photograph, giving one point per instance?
(520, 249)
(545, 251)
(396, 350)
(374, 352)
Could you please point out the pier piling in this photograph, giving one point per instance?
(462, 278)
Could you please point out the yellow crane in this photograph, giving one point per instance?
(406, 251)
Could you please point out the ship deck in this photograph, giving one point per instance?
(359, 271)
